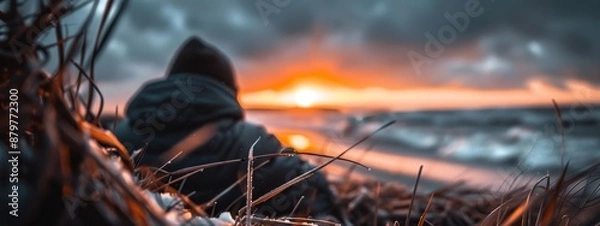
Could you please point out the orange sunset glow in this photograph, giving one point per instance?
(324, 82)
(536, 94)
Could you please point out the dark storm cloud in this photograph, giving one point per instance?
(559, 48)
(515, 40)
(149, 15)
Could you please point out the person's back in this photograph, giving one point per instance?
(194, 111)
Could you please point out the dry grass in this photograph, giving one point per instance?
(81, 172)
(575, 200)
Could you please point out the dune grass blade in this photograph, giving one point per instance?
(354, 163)
(423, 217)
(550, 209)
(561, 126)
(412, 200)
(296, 206)
(250, 173)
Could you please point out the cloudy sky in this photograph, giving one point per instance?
(412, 52)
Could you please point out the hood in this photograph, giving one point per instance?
(197, 57)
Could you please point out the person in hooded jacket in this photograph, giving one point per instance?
(192, 116)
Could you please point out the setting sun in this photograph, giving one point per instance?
(306, 97)
(299, 142)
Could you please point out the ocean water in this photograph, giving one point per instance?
(530, 138)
